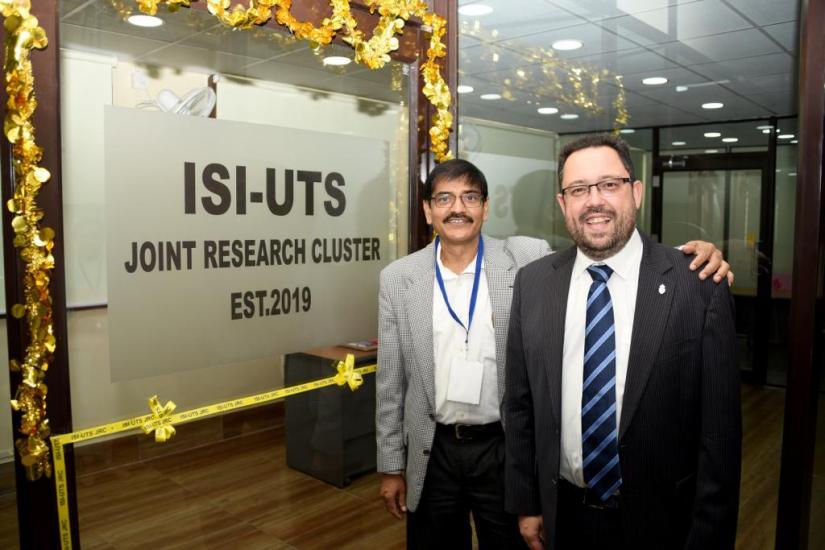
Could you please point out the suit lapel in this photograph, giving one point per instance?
(499, 270)
(551, 337)
(420, 315)
(650, 319)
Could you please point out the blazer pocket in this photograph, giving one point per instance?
(677, 350)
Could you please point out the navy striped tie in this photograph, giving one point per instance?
(600, 455)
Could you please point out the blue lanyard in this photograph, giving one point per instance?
(473, 294)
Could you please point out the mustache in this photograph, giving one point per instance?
(463, 217)
(596, 210)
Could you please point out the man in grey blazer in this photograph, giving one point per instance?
(443, 315)
(622, 395)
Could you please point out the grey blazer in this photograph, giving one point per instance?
(405, 383)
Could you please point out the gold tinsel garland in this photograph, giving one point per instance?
(372, 52)
(34, 243)
(550, 79)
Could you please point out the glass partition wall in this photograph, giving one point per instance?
(9, 537)
(707, 88)
(229, 199)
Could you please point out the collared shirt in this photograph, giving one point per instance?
(448, 341)
(623, 285)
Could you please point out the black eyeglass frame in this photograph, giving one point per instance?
(598, 185)
(453, 198)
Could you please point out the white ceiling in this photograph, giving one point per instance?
(738, 52)
(192, 39)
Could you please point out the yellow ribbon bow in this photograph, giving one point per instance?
(347, 375)
(161, 422)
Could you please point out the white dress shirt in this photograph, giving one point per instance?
(623, 284)
(448, 341)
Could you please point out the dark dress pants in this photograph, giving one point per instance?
(464, 477)
(581, 525)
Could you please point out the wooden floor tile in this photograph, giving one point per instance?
(239, 494)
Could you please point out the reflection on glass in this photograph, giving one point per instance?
(723, 207)
(260, 77)
(8, 494)
(519, 164)
(784, 216)
(720, 206)
(716, 138)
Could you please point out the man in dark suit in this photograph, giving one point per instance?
(623, 421)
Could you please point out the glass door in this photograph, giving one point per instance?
(721, 199)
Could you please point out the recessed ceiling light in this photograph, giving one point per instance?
(678, 143)
(794, 141)
(711, 151)
(681, 88)
(566, 45)
(766, 131)
(337, 60)
(764, 127)
(145, 20)
(570, 116)
(654, 81)
(547, 110)
(712, 105)
(475, 10)
(490, 96)
(712, 134)
(792, 174)
(627, 131)
(730, 140)
(785, 136)
(464, 89)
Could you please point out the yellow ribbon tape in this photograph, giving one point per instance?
(347, 375)
(162, 419)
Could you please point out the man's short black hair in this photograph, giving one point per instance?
(597, 140)
(455, 169)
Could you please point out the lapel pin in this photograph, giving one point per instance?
(662, 289)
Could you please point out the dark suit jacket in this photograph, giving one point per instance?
(680, 432)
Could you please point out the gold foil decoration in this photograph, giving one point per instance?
(35, 244)
(373, 52)
(347, 375)
(550, 79)
(161, 420)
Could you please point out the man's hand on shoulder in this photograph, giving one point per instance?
(532, 531)
(716, 264)
(394, 492)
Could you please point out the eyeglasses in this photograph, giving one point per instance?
(471, 199)
(607, 187)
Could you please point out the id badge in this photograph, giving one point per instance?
(465, 381)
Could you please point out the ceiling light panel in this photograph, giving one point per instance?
(475, 10)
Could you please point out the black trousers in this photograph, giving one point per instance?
(583, 526)
(464, 477)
